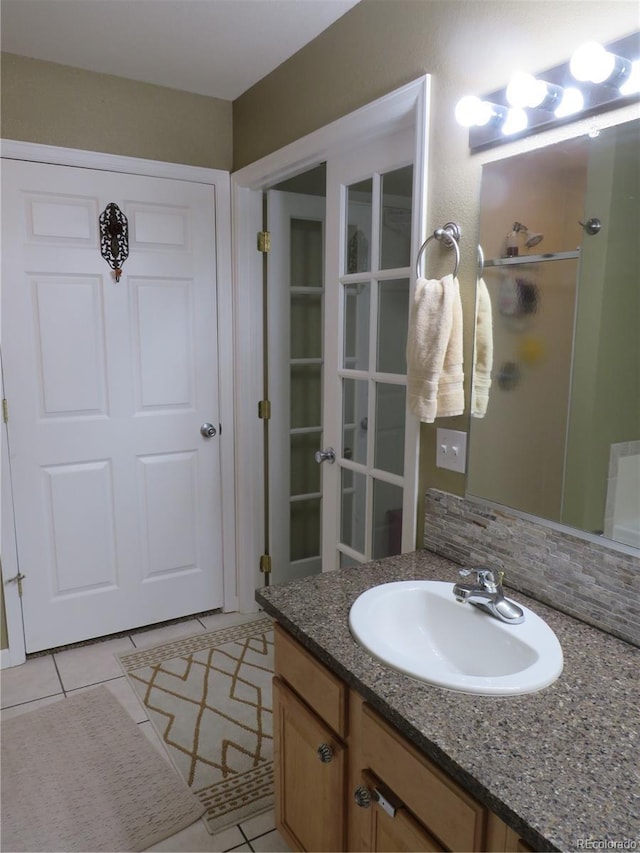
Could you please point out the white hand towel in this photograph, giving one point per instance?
(451, 385)
(434, 350)
(482, 352)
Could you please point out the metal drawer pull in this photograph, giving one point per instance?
(362, 796)
(325, 753)
(387, 801)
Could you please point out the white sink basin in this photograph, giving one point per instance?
(418, 627)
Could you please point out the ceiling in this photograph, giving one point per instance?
(218, 48)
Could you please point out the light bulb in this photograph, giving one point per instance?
(632, 84)
(471, 111)
(572, 102)
(488, 112)
(515, 121)
(525, 91)
(467, 110)
(592, 62)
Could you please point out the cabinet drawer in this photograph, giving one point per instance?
(312, 681)
(395, 830)
(452, 815)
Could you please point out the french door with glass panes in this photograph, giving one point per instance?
(295, 297)
(369, 489)
(339, 284)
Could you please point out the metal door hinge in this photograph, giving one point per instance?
(264, 410)
(17, 579)
(265, 563)
(264, 241)
(5, 410)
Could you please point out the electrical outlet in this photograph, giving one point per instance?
(451, 450)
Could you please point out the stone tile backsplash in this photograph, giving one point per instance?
(588, 580)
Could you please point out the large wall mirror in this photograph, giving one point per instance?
(560, 231)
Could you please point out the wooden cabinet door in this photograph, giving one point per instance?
(390, 827)
(310, 792)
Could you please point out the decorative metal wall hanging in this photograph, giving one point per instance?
(114, 237)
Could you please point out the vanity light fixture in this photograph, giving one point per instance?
(631, 85)
(597, 78)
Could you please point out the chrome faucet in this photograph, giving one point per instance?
(487, 594)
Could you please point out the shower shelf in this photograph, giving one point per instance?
(532, 259)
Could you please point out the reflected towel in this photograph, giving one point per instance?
(435, 381)
(482, 352)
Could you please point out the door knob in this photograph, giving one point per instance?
(208, 430)
(327, 455)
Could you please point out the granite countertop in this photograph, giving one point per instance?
(559, 766)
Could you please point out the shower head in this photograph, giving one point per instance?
(533, 239)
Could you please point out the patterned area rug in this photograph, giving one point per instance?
(209, 699)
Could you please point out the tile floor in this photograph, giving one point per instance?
(53, 677)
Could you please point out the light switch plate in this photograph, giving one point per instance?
(451, 450)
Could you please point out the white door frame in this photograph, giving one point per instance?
(16, 150)
(405, 107)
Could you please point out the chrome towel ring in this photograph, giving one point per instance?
(480, 261)
(449, 235)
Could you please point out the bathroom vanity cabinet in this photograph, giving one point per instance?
(458, 771)
(347, 780)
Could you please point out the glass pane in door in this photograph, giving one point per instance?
(305, 471)
(353, 506)
(357, 256)
(355, 407)
(393, 311)
(306, 395)
(396, 224)
(357, 306)
(305, 531)
(306, 250)
(306, 325)
(389, 428)
(387, 520)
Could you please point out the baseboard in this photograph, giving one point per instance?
(5, 658)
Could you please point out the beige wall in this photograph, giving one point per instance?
(57, 105)
(468, 46)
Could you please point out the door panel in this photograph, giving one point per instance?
(295, 322)
(369, 248)
(116, 494)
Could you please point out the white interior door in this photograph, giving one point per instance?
(116, 492)
(369, 490)
(295, 305)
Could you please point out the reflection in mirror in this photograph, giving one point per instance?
(561, 435)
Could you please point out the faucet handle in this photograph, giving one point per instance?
(485, 577)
